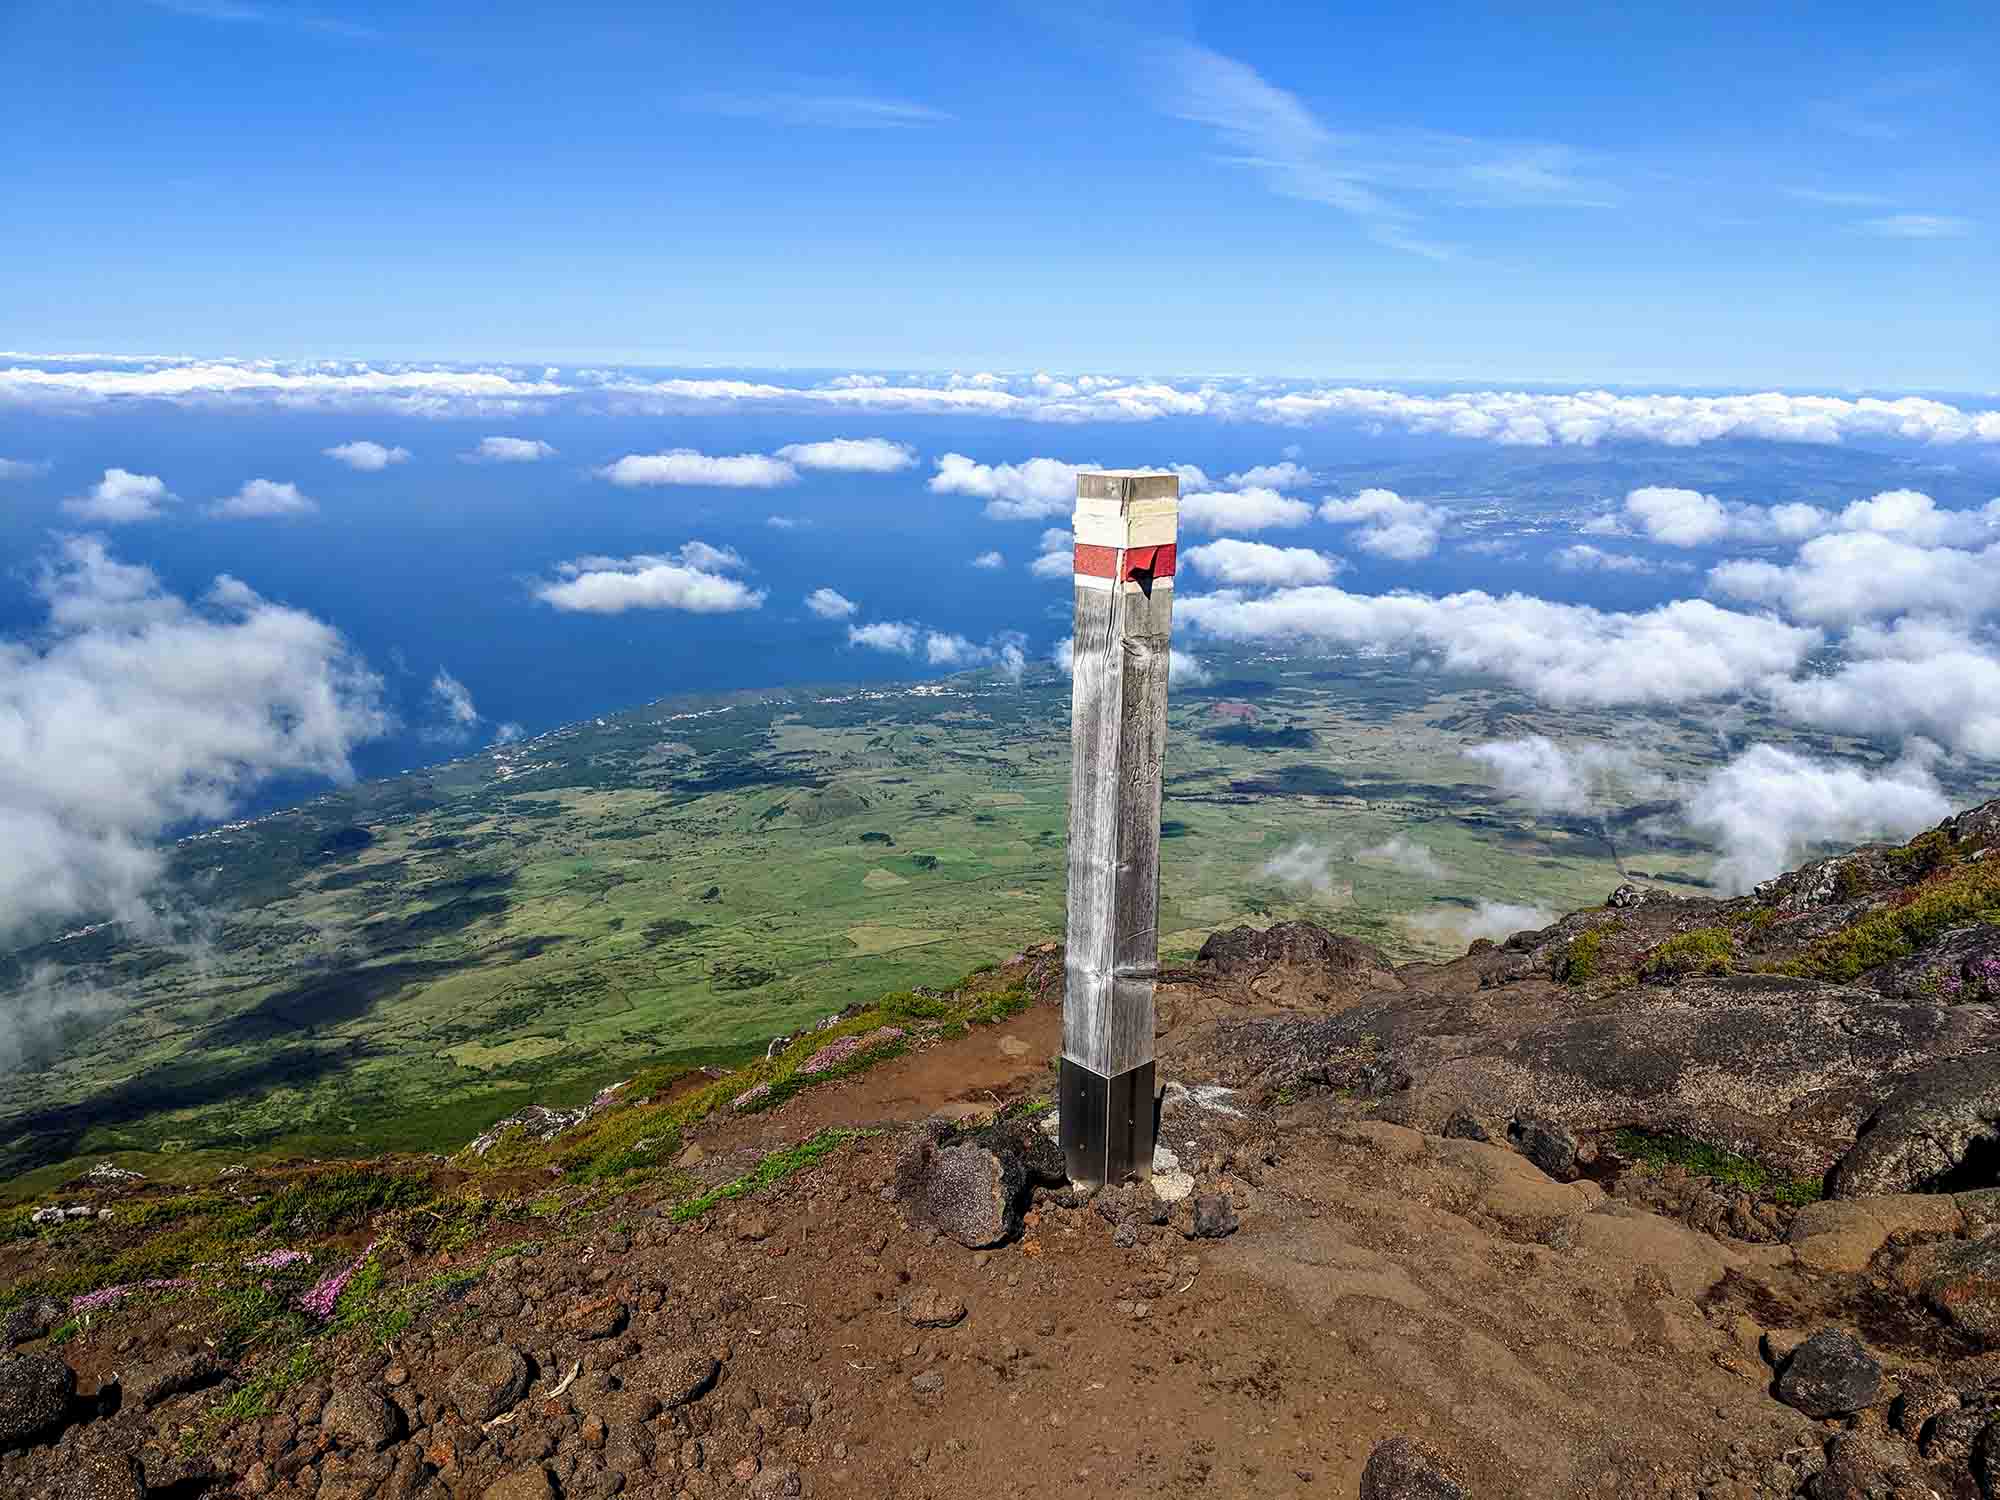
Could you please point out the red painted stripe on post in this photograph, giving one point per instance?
(1096, 562)
(1102, 562)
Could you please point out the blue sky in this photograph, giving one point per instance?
(1795, 195)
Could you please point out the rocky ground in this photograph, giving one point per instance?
(1676, 1198)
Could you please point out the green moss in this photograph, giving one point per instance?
(906, 1005)
(1850, 882)
(999, 1006)
(1924, 854)
(1953, 897)
(773, 1168)
(1706, 950)
(1718, 1165)
(259, 1395)
(325, 1202)
(1576, 961)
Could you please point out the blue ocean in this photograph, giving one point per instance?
(432, 563)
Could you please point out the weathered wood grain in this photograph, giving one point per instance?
(1118, 734)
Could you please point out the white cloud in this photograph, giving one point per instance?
(1063, 655)
(264, 497)
(1185, 670)
(1765, 808)
(829, 605)
(510, 450)
(1687, 518)
(710, 559)
(946, 650)
(1057, 558)
(1852, 576)
(366, 456)
(1406, 855)
(1918, 226)
(1769, 806)
(851, 455)
(1391, 526)
(21, 468)
(1495, 921)
(1258, 564)
(744, 471)
(1680, 518)
(990, 560)
(1538, 418)
(120, 497)
(1025, 491)
(1280, 476)
(506, 734)
(135, 710)
(454, 698)
(1242, 510)
(819, 111)
(1915, 517)
(1561, 653)
(690, 580)
(452, 702)
(1564, 778)
(1586, 418)
(783, 523)
(894, 636)
(1583, 558)
(1367, 176)
(421, 391)
(1305, 863)
(1915, 678)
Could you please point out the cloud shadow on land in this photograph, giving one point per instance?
(38, 1137)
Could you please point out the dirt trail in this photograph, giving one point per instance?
(971, 1075)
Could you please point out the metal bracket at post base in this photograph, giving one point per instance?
(1107, 1125)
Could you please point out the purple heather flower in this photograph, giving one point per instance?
(756, 1094)
(325, 1294)
(835, 1053)
(275, 1260)
(108, 1296)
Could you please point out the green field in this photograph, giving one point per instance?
(397, 964)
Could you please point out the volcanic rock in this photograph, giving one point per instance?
(528, 1484)
(150, 1384)
(488, 1383)
(1546, 1144)
(1297, 965)
(32, 1320)
(1214, 1217)
(1400, 1469)
(1926, 1130)
(35, 1392)
(1830, 1374)
(361, 1416)
(679, 1377)
(932, 1307)
(113, 1477)
(1964, 1287)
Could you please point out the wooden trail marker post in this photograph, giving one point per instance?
(1125, 528)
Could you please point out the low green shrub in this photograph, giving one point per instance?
(1706, 950)
(1577, 960)
(1951, 897)
(1718, 1165)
